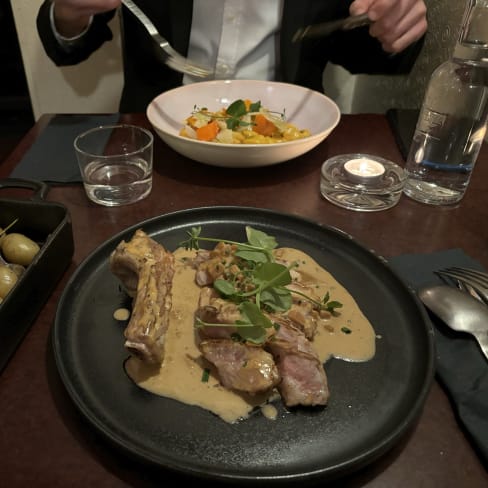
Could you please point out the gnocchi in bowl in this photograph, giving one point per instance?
(308, 115)
(242, 122)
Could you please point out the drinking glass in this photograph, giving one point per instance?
(115, 163)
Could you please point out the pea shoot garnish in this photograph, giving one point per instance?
(235, 112)
(262, 287)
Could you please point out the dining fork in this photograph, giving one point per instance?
(170, 56)
(470, 280)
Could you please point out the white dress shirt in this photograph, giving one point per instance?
(239, 39)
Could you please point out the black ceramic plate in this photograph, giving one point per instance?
(372, 404)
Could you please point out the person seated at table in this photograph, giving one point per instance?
(250, 39)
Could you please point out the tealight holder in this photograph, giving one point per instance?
(362, 182)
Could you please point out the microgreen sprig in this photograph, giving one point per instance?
(252, 325)
(269, 280)
(265, 288)
(325, 304)
(234, 113)
(258, 248)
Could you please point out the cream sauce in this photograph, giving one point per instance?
(122, 314)
(182, 372)
(349, 335)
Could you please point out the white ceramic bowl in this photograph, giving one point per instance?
(305, 108)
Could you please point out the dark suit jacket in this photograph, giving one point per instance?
(300, 63)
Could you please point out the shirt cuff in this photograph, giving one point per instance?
(63, 41)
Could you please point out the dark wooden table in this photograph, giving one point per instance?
(43, 441)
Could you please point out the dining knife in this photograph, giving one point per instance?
(326, 28)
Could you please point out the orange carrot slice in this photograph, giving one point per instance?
(263, 126)
(208, 132)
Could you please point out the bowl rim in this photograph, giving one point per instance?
(309, 138)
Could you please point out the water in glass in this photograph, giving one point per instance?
(116, 182)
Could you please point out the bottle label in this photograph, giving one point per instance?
(431, 122)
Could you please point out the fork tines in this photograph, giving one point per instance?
(473, 281)
(169, 55)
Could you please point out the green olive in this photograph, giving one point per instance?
(18, 269)
(19, 249)
(7, 280)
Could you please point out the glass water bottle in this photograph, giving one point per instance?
(453, 118)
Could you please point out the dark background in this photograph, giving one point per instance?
(15, 107)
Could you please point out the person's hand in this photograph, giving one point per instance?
(396, 23)
(72, 16)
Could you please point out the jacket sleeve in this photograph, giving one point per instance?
(98, 33)
(358, 52)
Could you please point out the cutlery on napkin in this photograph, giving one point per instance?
(458, 310)
(460, 366)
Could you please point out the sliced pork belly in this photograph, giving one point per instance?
(210, 265)
(301, 312)
(303, 379)
(241, 367)
(146, 270)
(215, 310)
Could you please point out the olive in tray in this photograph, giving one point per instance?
(36, 247)
(16, 252)
(17, 248)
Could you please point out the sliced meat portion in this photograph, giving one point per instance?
(146, 270)
(302, 312)
(303, 379)
(241, 367)
(215, 310)
(211, 265)
(297, 370)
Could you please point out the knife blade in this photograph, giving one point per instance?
(326, 28)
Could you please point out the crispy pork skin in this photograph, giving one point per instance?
(241, 367)
(303, 379)
(146, 270)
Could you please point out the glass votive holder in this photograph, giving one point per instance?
(362, 182)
